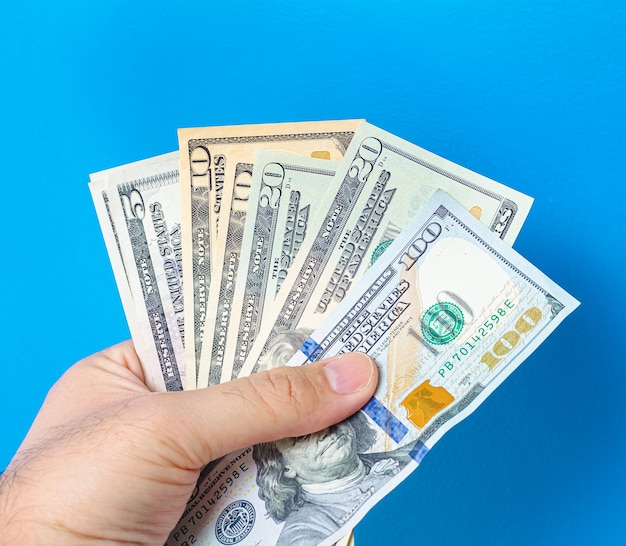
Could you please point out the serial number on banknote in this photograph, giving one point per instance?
(482, 331)
(186, 540)
(181, 536)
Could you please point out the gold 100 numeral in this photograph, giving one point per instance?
(510, 339)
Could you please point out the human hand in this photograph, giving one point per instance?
(107, 461)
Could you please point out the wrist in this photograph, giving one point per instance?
(12, 523)
(22, 519)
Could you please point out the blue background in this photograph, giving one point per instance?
(528, 93)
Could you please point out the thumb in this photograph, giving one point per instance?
(279, 403)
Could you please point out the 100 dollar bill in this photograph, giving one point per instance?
(382, 181)
(447, 313)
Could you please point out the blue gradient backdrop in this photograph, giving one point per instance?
(528, 93)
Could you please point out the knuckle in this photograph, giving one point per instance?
(285, 393)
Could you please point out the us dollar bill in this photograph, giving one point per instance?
(447, 313)
(138, 208)
(198, 173)
(215, 165)
(101, 196)
(384, 181)
(289, 195)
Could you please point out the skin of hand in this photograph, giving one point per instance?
(106, 461)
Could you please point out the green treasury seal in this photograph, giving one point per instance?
(378, 251)
(442, 323)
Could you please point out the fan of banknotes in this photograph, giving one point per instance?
(258, 246)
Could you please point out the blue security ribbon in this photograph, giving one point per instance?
(309, 347)
(385, 420)
(418, 451)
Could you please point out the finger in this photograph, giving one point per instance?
(279, 403)
(125, 356)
